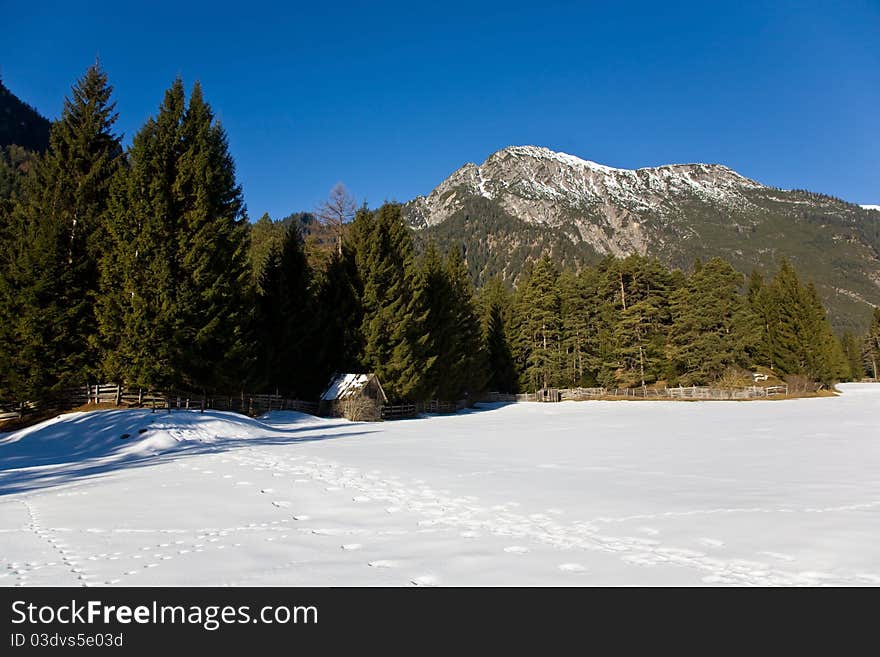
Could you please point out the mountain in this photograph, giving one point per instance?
(21, 124)
(525, 200)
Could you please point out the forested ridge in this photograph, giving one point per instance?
(140, 266)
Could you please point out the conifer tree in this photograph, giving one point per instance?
(579, 319)
(52, 282)
(762, 322)
(466, 360)
(265, 234)
(852, 353)
(141, 273)
(213, 246)
(287, 331)
(393, 304)
(176, 275)
(710, 324)
(339, 315)
(496, 311)
(802, 339)
(638, 290)
(439, 324)
(538, 327)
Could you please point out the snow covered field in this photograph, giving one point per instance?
(589, 493)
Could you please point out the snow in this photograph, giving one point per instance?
(577, 493)
(871, 207)
(344, 385)
(541, 152)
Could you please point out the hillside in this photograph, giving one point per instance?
(21, 124)
(526, 200)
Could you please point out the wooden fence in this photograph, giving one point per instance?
(691, 392)
(400, 411)
(247, 403)
(256, 404)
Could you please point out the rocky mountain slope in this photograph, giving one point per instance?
(525, 200)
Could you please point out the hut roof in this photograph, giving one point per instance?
(344, 386)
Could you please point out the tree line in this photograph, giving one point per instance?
(140, 266)
(633, 322)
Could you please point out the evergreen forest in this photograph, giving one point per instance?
(139, 265)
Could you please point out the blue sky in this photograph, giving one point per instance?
(392, 97)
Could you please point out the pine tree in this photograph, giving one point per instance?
(394, 307)
(466, 361)
(496, 310)
(435, 288)
(265, 234)
(709, 324)
(339, 315)
(213, 246)
(60, 233)
(637, 290)
(537, 331)
(176, 278)
(852, 353)
(802, 341)
(762, 323)
(141, 273)
(580, 322)
(286, 328)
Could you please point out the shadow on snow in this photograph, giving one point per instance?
(70, 448)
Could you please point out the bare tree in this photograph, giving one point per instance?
(338, 209)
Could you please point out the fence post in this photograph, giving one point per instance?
(118, 394)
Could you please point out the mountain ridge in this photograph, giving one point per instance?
(524, 200)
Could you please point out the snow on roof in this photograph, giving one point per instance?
(345, 385)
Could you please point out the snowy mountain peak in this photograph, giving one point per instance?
(540, 152)
(525, 201)
(541, 186)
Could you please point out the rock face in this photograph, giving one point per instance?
(524, 200)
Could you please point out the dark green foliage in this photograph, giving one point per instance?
(21, 124)
(794, 336)
(635, 295)
(395, 343)
(452, 330)
(58, 235)
(176, 277)
(852, 354)
(213, 247)
(580, 343)
(496, 307)
(141, 271)
(265, 235)
(538, 331)
(339, 315)
(710, 324)
(287, 329)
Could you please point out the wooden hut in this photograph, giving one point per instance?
(358, 397)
